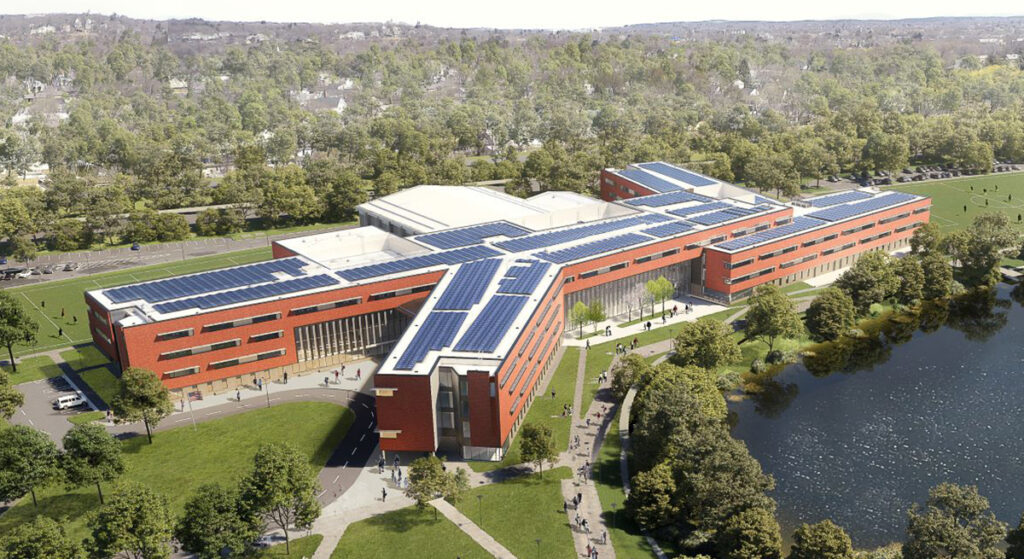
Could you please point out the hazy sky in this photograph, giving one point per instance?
(518, 13)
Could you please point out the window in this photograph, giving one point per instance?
(860, 228)
(792, 263)
(838, 249)
(783, 221)
(922, 210)
(447, 419)
(740, 264)
(241, 322)
(820, 240)
(893, 218)
(778, 252)
(247, 359)
(266, 336)
(741, 279)
(604, 270)
(569, 279)
(182, 372)
(656, 256)
(174, 335)
(327, 306)
(200, 349)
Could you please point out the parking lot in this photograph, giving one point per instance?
(38, 410)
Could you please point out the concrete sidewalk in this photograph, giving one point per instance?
(471, 529)
(699, 308)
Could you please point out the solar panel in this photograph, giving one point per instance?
(668, 229)
(727, 214)
(468, 285)
(683, 212)
(246, 294)
(669, 198)
(559, 236)
(833, 199)
(436, 333)
(846, 211)
(590, 249)
(799, 224)
(654, 218)
(472, 235)
(523, 280)
(450, 257)
(643, 178)
(491, 324)
(206, 282)
(677, 173)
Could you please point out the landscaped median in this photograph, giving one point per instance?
(182, 459)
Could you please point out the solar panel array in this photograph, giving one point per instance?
(652, 182)
(668, 229)
(491, 324)
(206, 282)
(589, 249)
(799, 224)
(436, 333)
(667, 199)
(541, 240)
(846, 211)
(468, 285)
(472, 235)
(683, 212)
(246, 294)
(763, 200)
(728, 214)
(833, 199)
(652, 218)
(523, 280)
(677, 173)
(450, 257)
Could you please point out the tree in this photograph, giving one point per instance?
(537, 445)
(911, 277)
(771, 316)
(91, 455)
(650, 500)
(812, 159)
(282, 487)
(579, 315)
(16, 327)
(824, 540)
(956, 522)
(428, 480)
(28, 459)
(887, 152)
(10, 398)
(213, 521)
(135, 521)
(773, 171)
(23, 248)
(629, 371)
(872, 279)
(980, 250)
(660, 290)
(142, 396)
(705, 343)
(938, 277)
(926, 239)
(751, 534)
(830, 315)
(42, 537)
(1015, 541)
(595, 312)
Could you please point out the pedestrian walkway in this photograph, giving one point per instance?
(471, 529)
(699, 308)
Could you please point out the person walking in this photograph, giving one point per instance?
(383, 494)
(327, 382)
(604, 537)
(286, 377)
(60, 332)
(359, 374)
(238, 395)
(336, 374)
(588, 344)
(62, 312)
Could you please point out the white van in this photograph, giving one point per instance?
(69, 401)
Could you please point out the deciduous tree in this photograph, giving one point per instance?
(650, 500)
(28, 460)
(751, 534)
(771, 316)
(135, 521)
(16, 327)
(537, 445)
(705, 343)
(824, 540)
(830, 315)
(282, 487)
(142, 396)
(91, 455)
(213, 524)
(955, 522)
(41, 538)
(911, 277)
(871, 280)
(660, 290)
(938, 276)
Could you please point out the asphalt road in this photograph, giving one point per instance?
(38, 409)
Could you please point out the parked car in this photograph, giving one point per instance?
(71, 266)
(833, 178)
(3, 260)
(904, 179)
(9, 273)
(24, 273)
(48, 269)
(68, 401)
(136, 246)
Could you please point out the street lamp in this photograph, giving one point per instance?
(480, 500)
(613, 514)
(538, 547)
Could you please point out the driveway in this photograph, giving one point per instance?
(38, 409)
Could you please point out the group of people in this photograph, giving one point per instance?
(566, 410)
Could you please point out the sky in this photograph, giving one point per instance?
(547, 14)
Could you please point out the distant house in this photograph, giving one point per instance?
(178, 86)
(334, 103)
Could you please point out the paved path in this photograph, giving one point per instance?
(471, 529)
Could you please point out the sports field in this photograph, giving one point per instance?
(60, 304)
(1003, 193)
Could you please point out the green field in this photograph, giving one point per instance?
(300, 547)
(103, 382)
(84, 357)
(950, 196)
(521, 510)
(33, 368)
(46, 301)
(181, 459)
(408, 532)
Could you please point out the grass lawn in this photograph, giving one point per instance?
(84, 357)
(86, 417)
(521, 510)
(103, 382)
(408, 532)
(950, 196)
(546, 411)
(300, 547)
(179, 460)
(45, 301)
(33, 368)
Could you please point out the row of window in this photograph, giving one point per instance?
(834, 250)
(400, 292)
(792, 263)
(605, 270)
(656, 256)
(820, 240)
(875, 237)
(327, 306)
(778, 252)
(241, 322)
(200, 349)
(226, 363)
(893, 218)
(740, 264)
(750, 276)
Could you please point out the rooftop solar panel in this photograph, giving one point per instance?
(523, 280)
(449, 257)
(677, 173)
(653, 182)
(467, 236)
(690, 210)
(590, 249)
(436, 333)
(846, 211)
(468, 285)
(206, 282)
(842, 198)
(727, 214)
(668, 229)
(490, 326)
(666, 199)
(246, 294)
(559, 236)
(654, 218)
(799, 224)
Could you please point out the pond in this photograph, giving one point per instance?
(884, 418)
